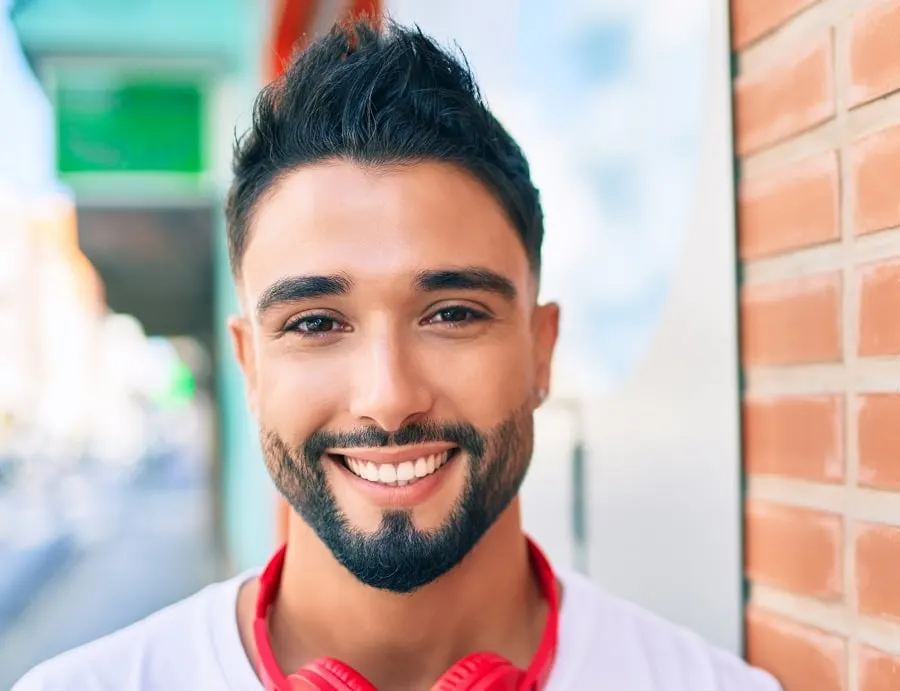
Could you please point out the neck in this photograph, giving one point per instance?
(491, 601)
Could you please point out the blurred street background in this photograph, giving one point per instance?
(110, 479)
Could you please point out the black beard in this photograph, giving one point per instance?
(398, 557)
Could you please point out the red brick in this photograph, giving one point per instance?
(874, 52)
(784, 99)
(753, 19)
(878, 671)
(800, 657)
(799, 437)
(879, 440)
(878, 570)
(791, 322)
(795, 549)
(879, 326)
(875, 164)
(796, 207)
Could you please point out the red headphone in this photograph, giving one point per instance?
(476, 672)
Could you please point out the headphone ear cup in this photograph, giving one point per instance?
(481, 672)
(307, 680)
(328, 674)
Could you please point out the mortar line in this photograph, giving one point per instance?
(849, 324)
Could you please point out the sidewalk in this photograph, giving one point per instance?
(156, 552)
(25, 570)
(35, 544)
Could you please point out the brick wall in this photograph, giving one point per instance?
(817, 133)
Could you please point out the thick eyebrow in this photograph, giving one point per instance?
(472, 278)
(296, 288)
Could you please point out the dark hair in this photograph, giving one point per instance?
(384, 97)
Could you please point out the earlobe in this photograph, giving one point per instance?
(244, 352)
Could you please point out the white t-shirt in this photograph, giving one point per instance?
(194, 645)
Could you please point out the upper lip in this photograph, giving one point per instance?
(393, 454)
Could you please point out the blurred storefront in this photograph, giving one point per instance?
(113, 165)
(143, 110)
(51, 312)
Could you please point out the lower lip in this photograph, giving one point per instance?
(392, 496)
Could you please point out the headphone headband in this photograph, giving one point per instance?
(535, 676)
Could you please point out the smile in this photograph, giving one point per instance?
(407, 472)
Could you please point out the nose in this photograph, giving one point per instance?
(389, 387)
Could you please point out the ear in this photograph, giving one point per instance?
(245, 353)
(545, 330)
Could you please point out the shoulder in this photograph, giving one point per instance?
(603, 634)
(175, 648)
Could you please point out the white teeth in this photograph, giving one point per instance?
(387, 473)
(401, 474)
(406, 471)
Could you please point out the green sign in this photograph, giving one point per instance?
(135, 125)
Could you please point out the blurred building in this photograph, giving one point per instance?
(105, 348)
(144, 99)
(55, 309)
(52, 301)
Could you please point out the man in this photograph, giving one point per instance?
(385, 239)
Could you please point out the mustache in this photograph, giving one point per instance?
(459, 434)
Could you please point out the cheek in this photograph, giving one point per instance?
(483, 382)
(296, 397)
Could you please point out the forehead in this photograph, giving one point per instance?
(378, 223)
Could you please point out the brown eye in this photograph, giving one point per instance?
(454, 314)
(313, 325)
(316, 324)
(457, 316)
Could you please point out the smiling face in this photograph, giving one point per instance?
(393, 353)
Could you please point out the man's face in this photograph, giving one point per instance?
(393, 355)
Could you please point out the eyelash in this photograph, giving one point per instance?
(293, 326)
(473, 314)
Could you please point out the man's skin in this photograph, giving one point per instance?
(388, 358)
